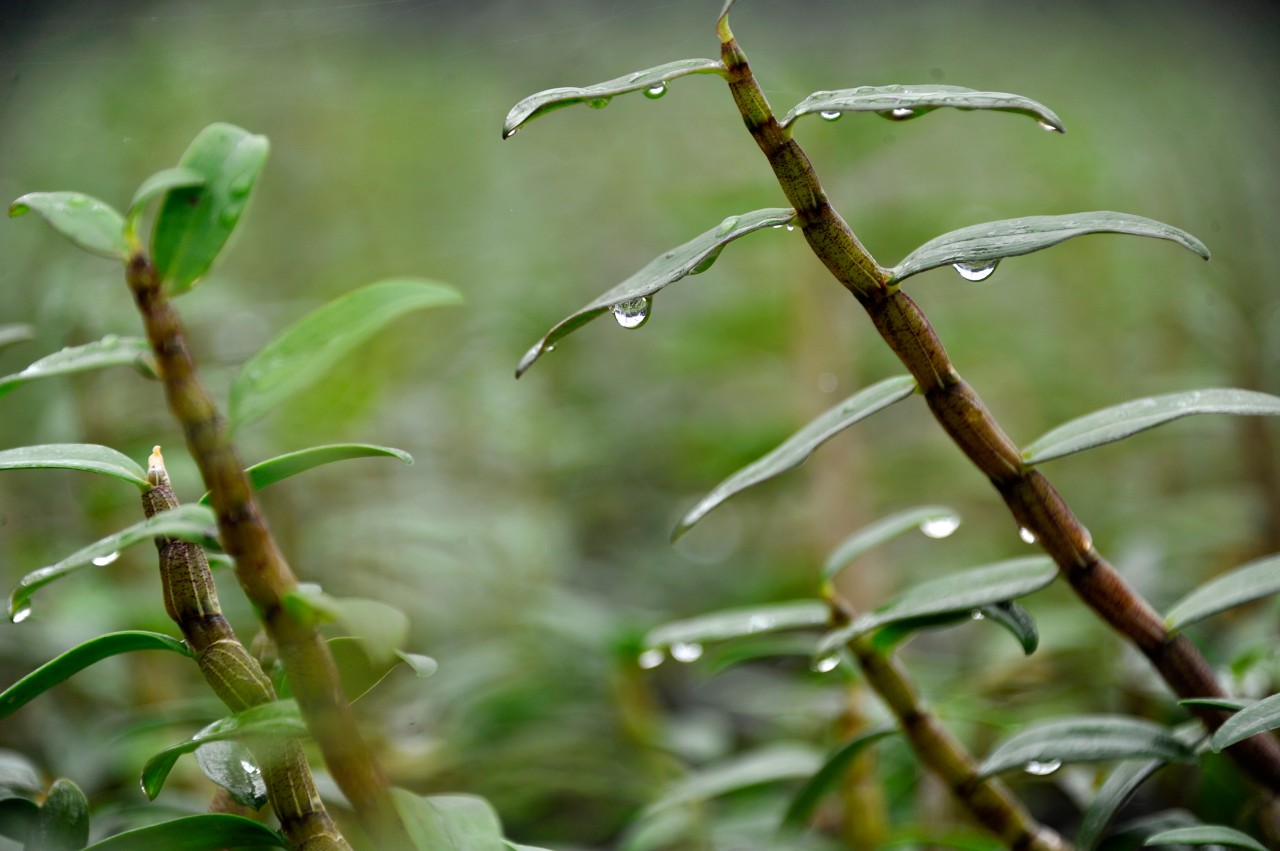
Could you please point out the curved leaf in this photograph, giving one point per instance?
(160, 183)
(1009, 616)
(936, 521)
(1121, 421)
(1253, 719)
(801, 808)
(109, 351)
(903, 102)
(75, 456)
(306, 350)
(449, 822)
(233, 767)
(735, 623)
(10, 334)
(796, 449)
(652, 80)
(281, 467)
(91, 224)
(1205, 834)
(680, 262)
(18, 774)
(765, 765)
(1116, 790)
(1253, 581)
(195, 221)
(17, 817)
(1086, 738)
(208, 832)
(1231, 704)
(80, 657)
(978, 245)
(63, 822)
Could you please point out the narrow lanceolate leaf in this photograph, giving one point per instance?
(632, 297)
(735, 623)
(80, 657)
(75, 456)
(1086, 738)
(280, 719)
(1009, 616)
(109, 351)
(449, 822)
(1252, 581)
(10, 334)
(196, 220)
(900, 103)
(306, 350)
(1205, 834)
(1116, 790)
(766, 765)
(980, 246)
(956, 593)
(91, 224)
(188, 522)
(827, 778)
(653, 81)
(1253, 719)
(1233, 704)
(18, 775)
(1116, 423)
(936, 521)
(63, 823)
(282, 467)
(797, 448)
(208, 832)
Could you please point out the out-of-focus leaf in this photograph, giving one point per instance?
(1205, 834)
(359, 674)
(766, 765)
(979, 246)
(1252, 581)
(209, 832)
(1253, 719)
(1121, 421)
(63, 823)
(230, 765)
(962, 839)
(680, 262)
(1116, 790)
(1085, 738)
(91, 224)
(188, 522)
(381, 628)
(512, 846)
(157, 185)
(449, 822)
(652, 80)
(109, 351)
(1234, 704)
(1009, 616)
(75, 456)
(282, 467)
(306, 350)
(900, 103)
(18, 774)
(828, 777)
(17, 816)
(77, 659)
(195, 221)
(10, 334)
(936, 521)
(796, 449)
(734, 623)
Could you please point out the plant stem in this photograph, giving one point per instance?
(262, 570)
(1034, 503)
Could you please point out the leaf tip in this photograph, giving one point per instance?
(18, 208)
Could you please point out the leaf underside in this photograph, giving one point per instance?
(1253, 581)
(919, 99)
(109, 351)
(88, 457)
(1086, 738)
(1253, 719)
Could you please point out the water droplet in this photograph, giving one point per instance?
(249, 768)
(727, 225)
(651, 658)
(686, 652)
(507, 134)
(1042, 769)
(549, 347)
(790, 228)
(1045, 125)
(598, 103)
(20, 614)
(656, 91)
(979, 271)
(756, 623)
(826, 664)
(632, 314)
(777, 227)
(1026, 535)
(827, 382)
(940, 527)
(902, 113)
(830, 115)
(103, 561)
(977, 615)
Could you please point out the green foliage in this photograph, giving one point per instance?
(91, 224)
(109, 351)
(195, 833)
(900, 103)
(1041, 748)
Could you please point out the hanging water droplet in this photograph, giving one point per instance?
(656, 91)
(1042, 769)
(1026, 535)
(777, 227)
(826, 664)
(977, 615)
(632, 314)
(830, 114)
(940, 527)
(1045, 125)
(686, 652)
(507, 134)
(103, 561)
(978, 271)
(598, 103)
(21, 613)
(901, 113)
(790, 228)
(651, 658)
(756, 623)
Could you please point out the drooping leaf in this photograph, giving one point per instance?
(1252, 581)
(208, 832)
(282, 467)
(652, 80)
(158, 184)
(768, 764)
(936, 521)
(360, 674)
(18, 774)
(231, 765)
(1008, 615)
(382, 628)
(796, 449)
(17, 816)
(279, 719)
(1232, 704)
(80, 657)
(1119, 786)
(1253, 719)
(10, 334)
(1086, 738)
(91, 224)
(802, 806)
(306, 350)
(195, 221)
(679, 262)
(188, 522)
(978, 246)
(1205, 834)
(735, 623)
(904, 102)
(63, 823)
(1121, 421)
(109, 351)
(75, 456)
(449, 822)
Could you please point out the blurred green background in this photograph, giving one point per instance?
(529, 542)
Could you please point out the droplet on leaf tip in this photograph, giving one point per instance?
(651, 658)
(21, 614)
(826, 664)
(686, 651)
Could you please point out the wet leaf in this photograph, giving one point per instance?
(75, 456)
(1253, 719)
(230, 765)
(109, 351)
(1205, 834)
(913, 101)
(91, 224)
(209, 832)
(937, 521)
(449, 822)
(1249, 582)
(827, 778)
(1086, 738)
(282, 467)
(765, 765)
(735, 623)
(63, 822)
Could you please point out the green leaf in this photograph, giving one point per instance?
(1009, 616)
(1085, 738)
(282, 467)
(195, 221)
(360, 674)
(765, 765)
(188, 522)
(306, 350)
(936, 521)
(18, 774)
(1256, 718)
(382, 628)
(279, 719)
(954, 593)
(1232, 704)
(512, 846)
(17, 817)
(449, 822)
(828, 777)
(10, 334)
(1118, 422)
(680, 262)
(80, 657)
(652, 80)
(233, 767)
(158, 184)
(1205, 834)
(208, 832)
(1116, 790)
(900, 103)
(1252, 581)
(978, 247)
(109, 351)
(735, 623)
(796, 449)
(63, 823)
(89, 223)
(75, 456)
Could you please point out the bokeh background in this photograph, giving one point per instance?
(529, 541)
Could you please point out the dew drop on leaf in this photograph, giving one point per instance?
(1026, 535)
(758, 623)
(826, 664)
(656, 91)
(830, 115)
(977, 615)
(20, 614)
(1043, 769)
(976, 271)
(902, 113)
(598, 103)
(651, 658)
(103, 561)
(940, 527)
(632, 314)
(686, 652)
(1045, 125)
